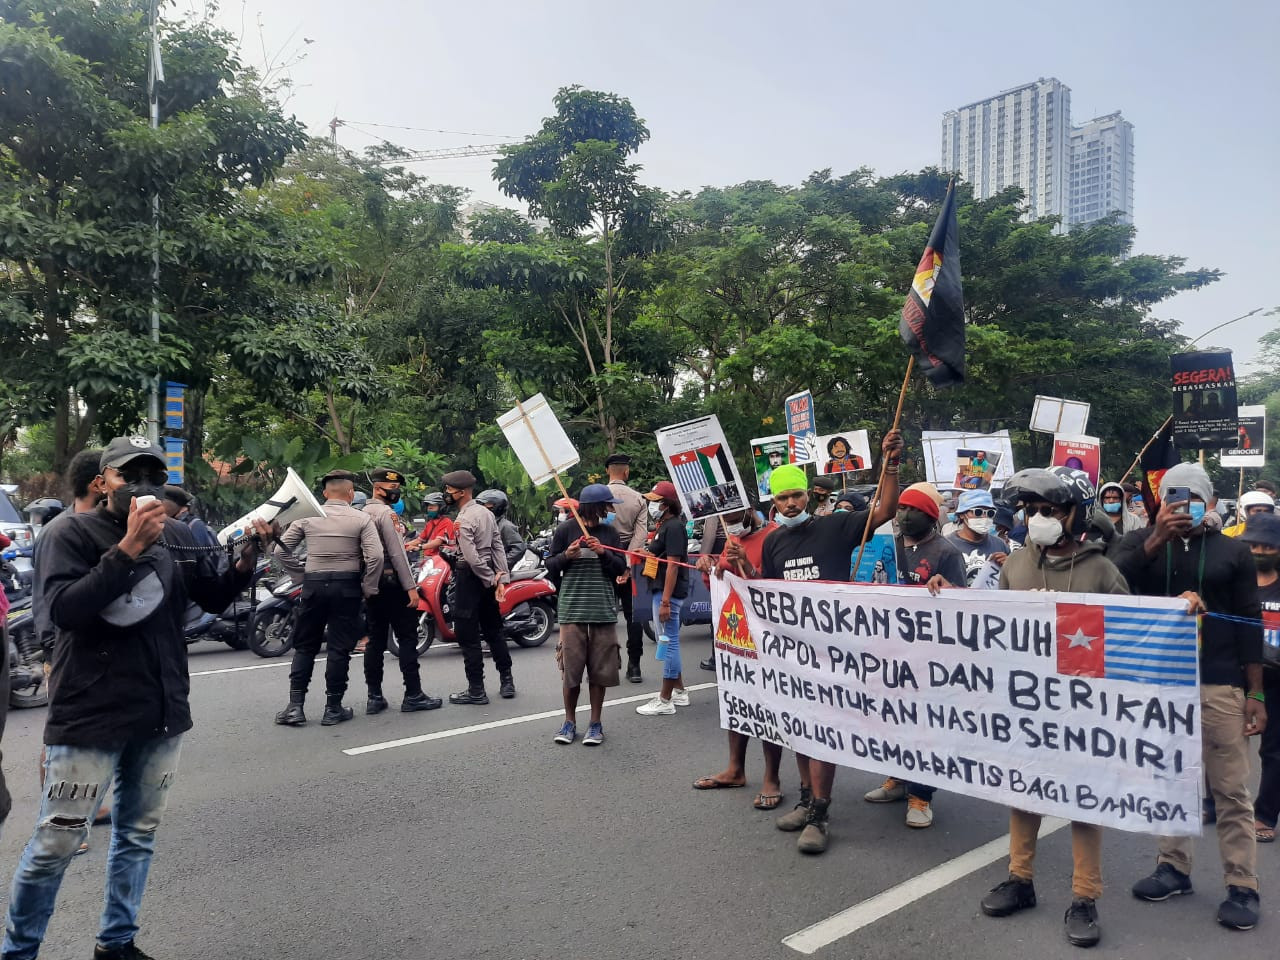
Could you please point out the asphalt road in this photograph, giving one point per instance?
(497, 843)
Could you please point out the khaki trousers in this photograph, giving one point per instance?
(1086, 852)
(1226, 765)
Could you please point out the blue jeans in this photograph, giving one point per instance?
(76, 778)
(670, 629)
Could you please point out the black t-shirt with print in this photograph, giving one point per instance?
(819, 549)
(935, 555)
(670, 540)
(1270, 599)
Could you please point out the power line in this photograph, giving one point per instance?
(458, 133)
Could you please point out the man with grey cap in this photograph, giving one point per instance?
(119, 688)
(480, 575)
(1181, 556)
(631, 521)
(343, 567)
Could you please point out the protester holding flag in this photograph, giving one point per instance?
(1262, 534)
(1179, 557)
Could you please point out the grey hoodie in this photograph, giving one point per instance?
(1124, 522)
(1085, 571)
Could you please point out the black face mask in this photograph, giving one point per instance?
(1266, 562)
(119, 499)
(448, 498)
(391, 496)
(914, 523)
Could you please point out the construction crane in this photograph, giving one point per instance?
(413, 156)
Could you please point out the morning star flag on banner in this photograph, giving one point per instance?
(1127, 643)
(688, 471)
(932, 322)
(715, 465)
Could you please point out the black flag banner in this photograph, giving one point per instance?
(1157, 457)
(1204, 399)
(932, 323)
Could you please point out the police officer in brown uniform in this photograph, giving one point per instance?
(395, 605)
(343, 566)
(631, 521)
(481, 577)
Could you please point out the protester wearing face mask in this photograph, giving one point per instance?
(1179, 557)
(821, 494)
(1255, 501)
(976, 512)
(668, 574)
(741, 525)
(817, 548)
(1262, 534)
(1055, 558)
(1111, 498)
(438, 531)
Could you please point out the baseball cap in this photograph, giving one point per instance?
(663, 490)
(787, 477)
(597, 493)
(123, 449)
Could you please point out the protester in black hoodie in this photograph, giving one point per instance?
(1180, 556)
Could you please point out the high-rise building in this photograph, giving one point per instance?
(1101, 170)
(1020, 137)
(1023, 137)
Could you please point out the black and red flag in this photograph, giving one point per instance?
(1157, 457)
(932, 323)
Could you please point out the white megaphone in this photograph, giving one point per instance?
(292, 501)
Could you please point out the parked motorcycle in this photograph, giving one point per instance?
(271, 624)
(230, 626)
(28, 685)
(528, 609)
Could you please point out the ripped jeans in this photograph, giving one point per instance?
(142, 772)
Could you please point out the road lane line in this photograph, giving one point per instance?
(826, 932)
(495, 724)
(256, 666)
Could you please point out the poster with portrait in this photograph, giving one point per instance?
(1250, 449)
(846, 455)
(941, 460)
(702, 468)
(767, 453)
(1078, 452)
(879, 559)
(975, 468)
(1204, 399)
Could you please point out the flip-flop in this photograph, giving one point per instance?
(768, 801)
(711, 783)
(1263, 833)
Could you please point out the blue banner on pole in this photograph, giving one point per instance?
(175, 459)
(174, 405)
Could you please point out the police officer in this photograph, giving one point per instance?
(387, 609)
(344, 564)
(481, 577)
(630, 518)
(512, 541)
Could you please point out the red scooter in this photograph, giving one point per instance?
(528, 610)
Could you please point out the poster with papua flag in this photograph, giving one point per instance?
(932, 323)
(702, 468)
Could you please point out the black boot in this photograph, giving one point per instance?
(708, 664)
(335, 712)
(377, 703)
(129, 951)
(292, 715)
(420, 701)
(508, 688)
(471, 695)
(633, 671)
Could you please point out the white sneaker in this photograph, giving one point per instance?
(657, 707)
(680, 697)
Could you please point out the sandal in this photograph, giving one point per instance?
(1263, 833)
(711, 783)
(768, 801)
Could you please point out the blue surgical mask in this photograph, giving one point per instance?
(951, 518)
(609, 517)
(398, 506)
(1113, 508)
(1196, 509)
(795, 521)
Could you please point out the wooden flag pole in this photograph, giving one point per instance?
(1138, 459)
(554, 472)
(884, 463)
(1239, 494)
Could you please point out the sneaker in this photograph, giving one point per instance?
(1240, 910)
(568, 733)
(680, 697)
(377, 703)
(1082, 923)
(1009, 897)
(633, 672)
(129, 951)
(919, 813)
(891, 791)
(657, 707)
(1167, 881)
(799, 816)
(595, 735)
(813, 838)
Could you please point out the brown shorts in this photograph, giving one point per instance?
(589, 646)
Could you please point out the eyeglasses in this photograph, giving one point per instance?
(1044, 509)
(983, 512)
(138, 473)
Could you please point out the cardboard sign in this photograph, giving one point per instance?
(802, 425)
(942, 448)
(767, 453)
(1251, 446)
(975, 468)
(1073, 705)
(538, 439)
(1204, 399)
(702, 468)
(846, 454)
(1079, 453)
(1054, 415)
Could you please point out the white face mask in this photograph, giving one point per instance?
(562, 516)
(655, 510)
(980, 525)
(1044, 531)
(735, 529)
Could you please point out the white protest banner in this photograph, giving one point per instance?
(803, 426)
(1251, 448)
(538, 439)
(1080, 706)
(942, 447)
(1053, 415)
(702, 468)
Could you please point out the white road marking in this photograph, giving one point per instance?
(840, 925)
(495, 724)
(280, 662)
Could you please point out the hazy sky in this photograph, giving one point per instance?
(733, 91)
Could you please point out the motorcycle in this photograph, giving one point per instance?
(271, 624)
(528, 609)
(28, 685)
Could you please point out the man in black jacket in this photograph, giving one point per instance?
(1179, 556)
(118, 691)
